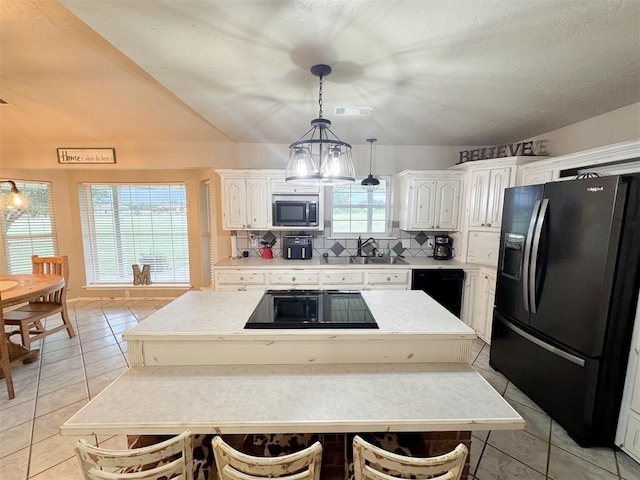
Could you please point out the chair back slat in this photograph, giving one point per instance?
(91, 457)
(373, 463)
(173, 470)
(305, 462)
(52, 266)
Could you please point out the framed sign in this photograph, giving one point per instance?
(86, 155)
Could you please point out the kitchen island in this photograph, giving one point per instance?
(195, 367)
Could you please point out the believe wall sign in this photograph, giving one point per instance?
(510, 150)
(86, 155)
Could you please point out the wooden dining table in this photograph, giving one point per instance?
(16, 289)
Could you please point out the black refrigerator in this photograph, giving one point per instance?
(566, 293)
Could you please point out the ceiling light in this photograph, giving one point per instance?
(370, 183)
(15, 200)
(319, 159)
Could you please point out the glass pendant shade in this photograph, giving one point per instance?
(320, 157)
(371, 183)
(15, 200)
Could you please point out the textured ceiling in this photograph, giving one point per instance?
(473, 72)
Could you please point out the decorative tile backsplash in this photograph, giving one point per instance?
(420, 246)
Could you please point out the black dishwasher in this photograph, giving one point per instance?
(444, 286)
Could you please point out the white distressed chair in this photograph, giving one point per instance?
(29, 317)
(101, 464)
(369, 462)
(234, 465)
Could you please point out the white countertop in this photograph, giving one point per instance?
(279, 262)
(295, 398)
(203, 314)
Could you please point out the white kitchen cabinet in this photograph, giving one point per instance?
(486, 196)
(535, 177)
(294, 279)
(246, 203)
(469, 294)
(387, 279)
(483, 311)
(240, 279)
(430, 200)
(341, 278)
(281, 186)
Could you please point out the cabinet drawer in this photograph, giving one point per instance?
(240, 277)
(389, 277)
(279, 185)
(343, 278)
(301, 277)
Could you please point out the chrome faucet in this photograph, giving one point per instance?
(364, 244)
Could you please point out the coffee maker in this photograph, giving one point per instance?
(442, 247)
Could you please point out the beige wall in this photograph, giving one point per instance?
(619, 125)
(67, 213)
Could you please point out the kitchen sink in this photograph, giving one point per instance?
(362, 261)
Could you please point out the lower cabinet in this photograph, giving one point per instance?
(478, 299)
(351, 279)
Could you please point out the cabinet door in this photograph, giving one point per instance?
(424, 199)
(490, 300)
(478, 197)
(469, 296)
(280, 185)
(500, 179)
(534, 178)
(234, 192)
(447, 204)
(258, 203)
(479, 314)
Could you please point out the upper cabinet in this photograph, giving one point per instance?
(486, 196)
(245, 203)
(246, 198)
(430, 200)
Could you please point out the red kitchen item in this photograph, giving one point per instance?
(266, 252)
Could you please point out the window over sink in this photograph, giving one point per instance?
(355, 211)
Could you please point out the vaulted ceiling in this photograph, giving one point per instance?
(458, 72)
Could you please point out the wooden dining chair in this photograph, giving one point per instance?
(172, 458)
(5, 362)
(232, 464)
(29, 317)
(373, 463)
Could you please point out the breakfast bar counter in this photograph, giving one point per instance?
(232, 399)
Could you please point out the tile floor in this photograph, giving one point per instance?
(72, 371)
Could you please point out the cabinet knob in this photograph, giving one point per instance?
(244, 226)
(388, 279)
(293, 279)
(488, 224)
(437, 226)
(482, 224)
(248, 226)
(242, 278)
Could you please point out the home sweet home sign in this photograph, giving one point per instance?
(508, 150)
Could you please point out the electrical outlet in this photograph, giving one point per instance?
(406, 243)
(254, 240)
(429, 242)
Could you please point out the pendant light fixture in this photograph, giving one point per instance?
(15, 201)
(320, 158)
(370, 183)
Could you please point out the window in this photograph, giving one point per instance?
(31, 231)
(125, 225)
(356, 211)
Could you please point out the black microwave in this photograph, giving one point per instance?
(295, 210)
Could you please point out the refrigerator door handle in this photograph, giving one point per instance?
(527, 255)
(550, 348)
(534, 255)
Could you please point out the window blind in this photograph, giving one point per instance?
(31, 231)
(127, 224)
(207, 187)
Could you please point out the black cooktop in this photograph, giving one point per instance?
(311, 309)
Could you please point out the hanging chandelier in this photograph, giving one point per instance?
(319, 156)
(370, 183)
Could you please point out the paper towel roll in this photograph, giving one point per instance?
(234, 247)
